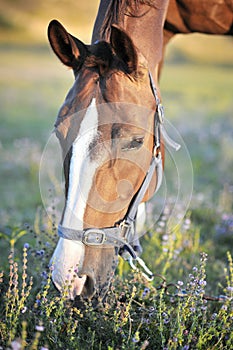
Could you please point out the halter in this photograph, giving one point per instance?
(122, 235)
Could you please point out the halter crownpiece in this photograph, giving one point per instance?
(122, 235)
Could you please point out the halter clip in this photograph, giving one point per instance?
(146, 272)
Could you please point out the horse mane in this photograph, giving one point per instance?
(116, 11)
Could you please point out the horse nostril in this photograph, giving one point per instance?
(55, 286)
(89, 287)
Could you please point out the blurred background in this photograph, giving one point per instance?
(196, 85)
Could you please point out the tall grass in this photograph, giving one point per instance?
(173, 312)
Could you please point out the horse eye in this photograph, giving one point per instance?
(135, 143)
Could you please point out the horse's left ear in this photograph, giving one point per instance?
(71, 51)
(124, 48)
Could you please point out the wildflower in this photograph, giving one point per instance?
(187, 221)
(39, 328)
(161, 223)
(180, 283)
(135, 340)
(40, 252)
(24, 309)
(15, 345)
(195, 269)
(26, 245)
(202, 283)
(145, 292)
(76, 270)
(44, 348)
(186, 347)
(230, 289)
(204, 256)
(44, 274)
(136, 337)
(203, 308)
(214, 316)
(165, 237)
(192, 309)
(145, 320)
(224, 307)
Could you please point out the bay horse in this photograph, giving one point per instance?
(109, 129)
(182, 17)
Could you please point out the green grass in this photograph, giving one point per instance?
(198, 102)
(136, 314)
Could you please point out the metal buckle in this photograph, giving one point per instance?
(94, 237)
(125, 230)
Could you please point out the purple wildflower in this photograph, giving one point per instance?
(44, 274)
(39, 328)
(186, 347)
(145, 292)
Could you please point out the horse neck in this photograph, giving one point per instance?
(145, 29)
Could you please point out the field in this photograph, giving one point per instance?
(195, 310)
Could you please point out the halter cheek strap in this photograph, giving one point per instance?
(122, 235)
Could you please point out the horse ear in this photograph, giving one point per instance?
(71, 51)
(124, 48)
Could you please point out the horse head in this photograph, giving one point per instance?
(106, 131)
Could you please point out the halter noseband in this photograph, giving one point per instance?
(122, 235)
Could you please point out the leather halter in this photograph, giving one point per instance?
(123, 234)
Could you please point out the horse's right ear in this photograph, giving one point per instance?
(71, 51)
(124, 48)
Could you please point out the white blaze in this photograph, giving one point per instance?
(68, 255)
(82, 170)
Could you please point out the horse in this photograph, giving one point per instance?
(111, 133)
(182, 17)
(109, 128)
(208, 17)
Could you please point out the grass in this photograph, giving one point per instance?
(198, 102)
(135, 315)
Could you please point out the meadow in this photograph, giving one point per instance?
(189, 303)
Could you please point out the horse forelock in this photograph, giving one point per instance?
(99, 53)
